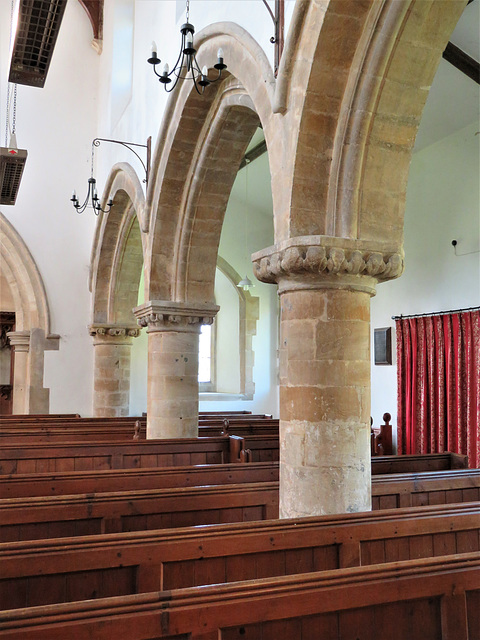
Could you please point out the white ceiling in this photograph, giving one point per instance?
(454, 99)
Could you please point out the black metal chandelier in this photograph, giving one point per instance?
(92, 198)
(186, 66)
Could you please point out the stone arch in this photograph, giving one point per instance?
(117, 254)
(370, 71)
(115, 273)
(32, 336)
(201, 143)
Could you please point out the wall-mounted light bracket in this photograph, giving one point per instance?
(278, 39)
(92, 199)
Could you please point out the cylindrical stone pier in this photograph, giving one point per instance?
(172, 394)
(325, 285)
(324, 402)
(111, 379)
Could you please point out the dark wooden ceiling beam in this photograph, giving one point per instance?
(462, 61)
(257, 151)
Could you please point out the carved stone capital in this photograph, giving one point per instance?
(112, 333)
(159, 315)
(20, 340)
(314, 262)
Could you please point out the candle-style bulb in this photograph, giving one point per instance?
(166, 69)
(154, 48)
(220, 53)
(189, 40)
(204, 70)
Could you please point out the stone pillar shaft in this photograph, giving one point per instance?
(111, 379)
(325, 285)
(172, 401)
(324, 402)
(172, 395)
(20, 341)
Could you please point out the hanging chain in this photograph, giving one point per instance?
(188, 10)
(93, 153)
(6, 114)
(14, 116)
(7, 111)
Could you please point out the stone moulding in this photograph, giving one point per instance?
(322, 259)
(174, 316)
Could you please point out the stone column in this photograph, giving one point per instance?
(20, 341)
(172, 395)
(111, 378)
(29, 394)
(325, 285)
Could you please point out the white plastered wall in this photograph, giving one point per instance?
(56, 125)
(443, 204)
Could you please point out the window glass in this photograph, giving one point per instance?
(205, 354)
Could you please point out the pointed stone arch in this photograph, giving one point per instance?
(200, 146)
(32, 336)
(371, 67)
(360, 78)
(201, 143)
(115, 274)
(117, 253)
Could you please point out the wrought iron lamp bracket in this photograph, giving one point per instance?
(278, 19)
(92, 196)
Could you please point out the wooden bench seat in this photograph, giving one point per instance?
(48, 571)
(426, 599)
(88, 514)
(67, 483)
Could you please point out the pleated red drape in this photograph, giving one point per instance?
(438, 380)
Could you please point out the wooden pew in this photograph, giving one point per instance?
(382, 438)
(36, 416)
(68, 483)
(11, 434)
(89, 514)
(38, 458)
(426, 599)
(202, 414)
(47, 571)
(403, 490)
(427, 488)
(67, 420)
(256, 448)
(419, 462)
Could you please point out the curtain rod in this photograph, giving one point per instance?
(436, 313)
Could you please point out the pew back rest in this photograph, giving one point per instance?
(419, 600)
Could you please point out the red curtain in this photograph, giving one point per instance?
(438, 379)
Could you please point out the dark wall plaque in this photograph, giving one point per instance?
(383, 345)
